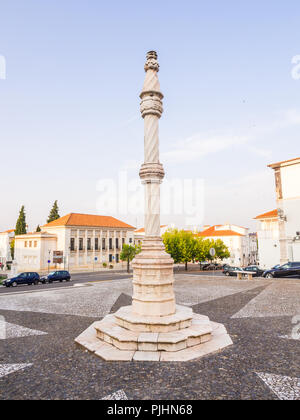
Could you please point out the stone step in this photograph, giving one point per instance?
(109, 352)
(133, 322)
(123, 339)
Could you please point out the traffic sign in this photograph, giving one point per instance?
(212, 252)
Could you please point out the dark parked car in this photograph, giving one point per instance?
(231, 271)
(23, 278)
(56, 276)
(291, 269)
(255, 269)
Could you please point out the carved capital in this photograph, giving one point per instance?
(152, 172)
(151, 104)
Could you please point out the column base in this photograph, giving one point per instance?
(182, 337)
(153, 280)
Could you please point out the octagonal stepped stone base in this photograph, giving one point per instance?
(112, 342)
(181, 319)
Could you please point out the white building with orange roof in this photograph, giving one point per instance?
(74, 242)
(236, 238)
(287, 181)
(139, 234)
(268, 239)
(5, 241)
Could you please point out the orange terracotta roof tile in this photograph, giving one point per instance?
(142, 230)
(8, 231)
(269, 215)
(284, 162)
(89, 220)
(212, 231)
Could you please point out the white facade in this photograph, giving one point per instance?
(5, 241)
(84, 247)
(287, 178)
(34, 250)
(236, 238)
(268, 240)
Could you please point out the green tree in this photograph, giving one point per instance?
(128, 253)
(38, 229)
(12, 249)
(171, 240)
(201, 249)
(21, 223)
(222, 251)
(54, 215)
(181, 245)
(188, 245)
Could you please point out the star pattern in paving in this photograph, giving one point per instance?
(230, 374)
(17, 331)
(7, 369)
(119, 395)
(284, 387)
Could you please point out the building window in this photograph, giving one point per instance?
(123, 241)
(110, 243)
(117, 258)
(103, 243)
(35, 244)
(117, 243)
(25, 244)
(72, 244)
(130, 240)
(110, 258)
(30, 244)
(96, 244)
(80, 244)
(89, 244)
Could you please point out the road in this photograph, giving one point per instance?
(76, 279)
(95, 277)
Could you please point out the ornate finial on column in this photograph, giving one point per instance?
(151, 95)
(152, 62)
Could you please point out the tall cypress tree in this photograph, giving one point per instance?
(21, 223)
(54, 215)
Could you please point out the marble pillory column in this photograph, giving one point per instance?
(153, 278)
(153, 328)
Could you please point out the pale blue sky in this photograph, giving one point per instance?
(69, 107)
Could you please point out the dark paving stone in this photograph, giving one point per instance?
(123, 300)
(61, 370)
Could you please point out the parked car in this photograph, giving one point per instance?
(56, 276)
(231, 271)
(204, 265)
(291, 269)
(255, 269)
(23, 278)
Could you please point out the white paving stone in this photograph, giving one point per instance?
(17, 331)
(274, 301)
(11, 368)
(119, 395)
(93, 301)
(284, 387)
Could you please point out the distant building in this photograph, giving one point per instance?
(75, 241)
(5, 241)
(268, 239)
(139, 234)
(287, 181)
(236, 238)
